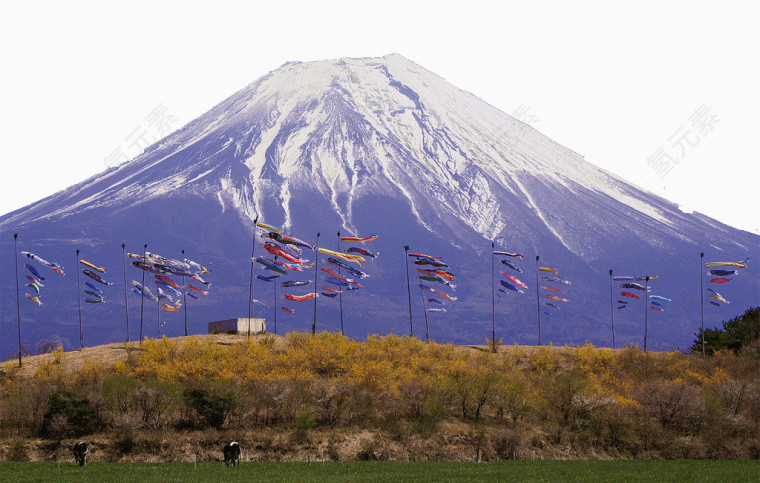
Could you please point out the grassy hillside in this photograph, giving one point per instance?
(385, 398)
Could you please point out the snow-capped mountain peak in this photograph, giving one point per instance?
(363, 145)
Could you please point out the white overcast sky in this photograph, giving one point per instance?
(618, 83)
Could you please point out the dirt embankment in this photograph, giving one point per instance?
(448, 441)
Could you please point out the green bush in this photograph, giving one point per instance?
(68, 415)
(561, 393)
(212, 409)
(305, 420)
(17, 451)
(736, 333)
(118, 391)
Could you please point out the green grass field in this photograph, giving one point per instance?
(638, 470)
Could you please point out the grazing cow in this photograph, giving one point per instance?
(232, 453)
(80, 453)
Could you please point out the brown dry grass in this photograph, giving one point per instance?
(111, 353)
(120, 351)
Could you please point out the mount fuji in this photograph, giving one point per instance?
(374, 146)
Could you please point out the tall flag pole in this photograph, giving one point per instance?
(142, 299)
(340, 295)
(250, 287)
(184, 293)
(720, 277)
(646, 311)
(274, 304)
(79, 302)
(408, 290)
(316, 276)
(18, 304)
(612, 312)
(702, 298)
(493, 299)
(514, 283)
(538, 302)
(158, 316)
(424, 310)
(435, 274)
(124, 264)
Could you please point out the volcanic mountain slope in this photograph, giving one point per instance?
(377, 145)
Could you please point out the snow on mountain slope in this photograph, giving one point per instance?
(360, 145)
(347, 123)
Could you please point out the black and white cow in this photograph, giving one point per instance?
(80, 453)
(232, 453)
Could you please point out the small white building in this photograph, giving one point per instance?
(237, 326)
